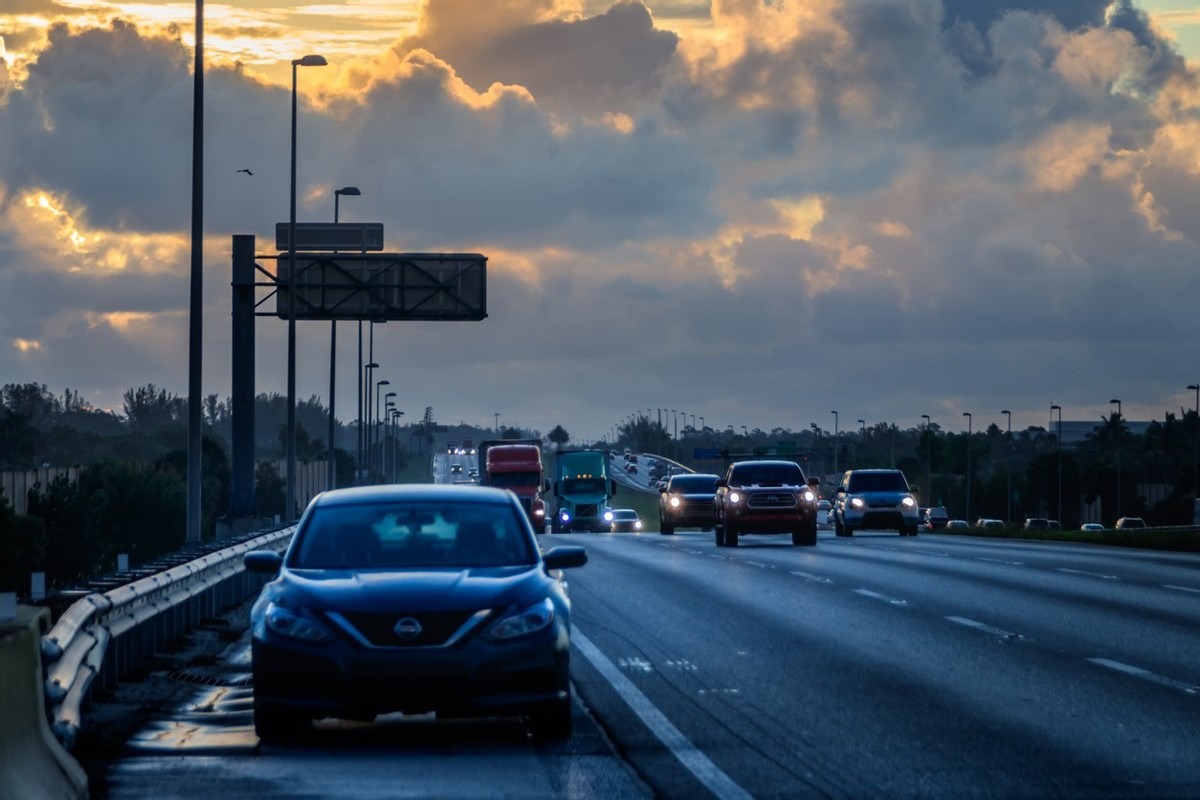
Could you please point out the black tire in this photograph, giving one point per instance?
(912, 531)
(731, 536)
(838, 529)
(666, 528)
(276, 724)
(805, 535)
(719, 534)
(847, 530)
(551, 722)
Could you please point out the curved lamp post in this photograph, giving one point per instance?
(306, 61)
(1008, 461)
(1059, 410)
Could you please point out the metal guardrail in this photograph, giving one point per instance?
(106, 636)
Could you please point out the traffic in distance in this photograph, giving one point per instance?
(452, 601)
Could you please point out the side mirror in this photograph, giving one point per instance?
(267, 562)
(565, 557)
(721, 483)
(613, 487)
(662, 489)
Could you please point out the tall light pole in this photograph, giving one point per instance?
(836, 477)
(1118, 439)
(364, 421)
(1008, 462)
(967, 414)
(1195, 387)
(196, 290)
(928, 459)
(377, 410)
(293, 282)
(862, 427)
(331, 482)
(1059, 410)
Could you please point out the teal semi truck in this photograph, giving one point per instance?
(582, 490)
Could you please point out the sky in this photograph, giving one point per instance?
(756, 213)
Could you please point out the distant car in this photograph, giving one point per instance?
(987, 522)
(456, 469)
(824, 508)
(1091, 526)
(956, 524)
(1037, 524)
(935, 518)
(631, 467)
(1131, 522)
(765, 496)
(623, 519)
(473, 472)
(686, 501)
(412, 599)
(874, 498)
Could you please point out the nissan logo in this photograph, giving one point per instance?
(408, 628)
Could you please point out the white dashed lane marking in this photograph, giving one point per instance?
(877, 596)
(1146, 675)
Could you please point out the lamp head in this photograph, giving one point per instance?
(351, 191)
(311, 60)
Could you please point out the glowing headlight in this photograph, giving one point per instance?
(734, 497)
(608, 516)
(539, 512)
(908, 502)
(565, 516)
(526, 621)
(856, 503)
(287, 623)
(638, 525)
(674, 502)
(809, 497)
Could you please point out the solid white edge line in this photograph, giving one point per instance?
(1181, 588)
(708, 773)
(1145, 675)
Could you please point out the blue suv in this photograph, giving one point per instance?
(875, 499)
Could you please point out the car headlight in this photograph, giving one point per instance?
(638, 524)
(856, 503)
(565, 516)
(734, 497)
(528, 620)
(674, 502)
(608, 516)
(539, 512)
(290, 624)
(908, 502)
(809, 497)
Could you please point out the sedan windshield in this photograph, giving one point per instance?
(412, 534)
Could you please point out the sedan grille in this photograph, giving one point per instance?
(431, 628)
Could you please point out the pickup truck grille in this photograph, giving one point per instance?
(771, 499)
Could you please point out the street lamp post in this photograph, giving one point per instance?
(331, 482)
(1118, 438)
(1196, 465)
(928, 459)
(967, 414)
(862, 427)
(835, 446)
(1059, 410)
(364, 417)
(306, 61)
(1008, 462)
(371, 420)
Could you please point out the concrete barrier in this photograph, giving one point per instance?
(32, 762)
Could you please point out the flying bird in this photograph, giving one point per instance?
(248, 172)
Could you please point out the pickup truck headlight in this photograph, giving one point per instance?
(808, 497)
(908, 502)
(735, 497)
(674, 502)
(856, 503)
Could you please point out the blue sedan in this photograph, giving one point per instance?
(412, 599)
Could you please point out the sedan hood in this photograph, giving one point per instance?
(414, 590)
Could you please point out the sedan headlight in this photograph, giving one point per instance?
(528, 620)
(288, 623)
(857, 503)
(908, 502)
